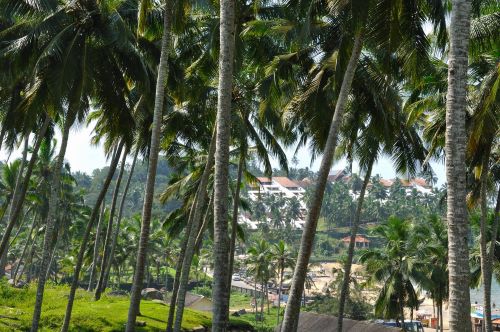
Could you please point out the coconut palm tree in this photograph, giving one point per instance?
(394, 266)
(221, 184)
(455, 146)
(282, 258)
(135, 297)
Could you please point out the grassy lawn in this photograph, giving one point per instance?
(240, 301)
(108, 314)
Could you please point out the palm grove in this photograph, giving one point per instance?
(215, 87)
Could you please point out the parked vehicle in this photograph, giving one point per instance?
(409, 325)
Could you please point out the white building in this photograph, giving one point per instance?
(278, 185)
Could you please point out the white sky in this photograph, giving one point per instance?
(85, 157)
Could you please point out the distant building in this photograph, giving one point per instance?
(360, 241)
(277, 185)
(418, 184)
(280, 185)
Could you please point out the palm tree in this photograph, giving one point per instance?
(93, 267)
(22, 187)
(226, 58)
(135, 296)
(395, 267)
(52, 213)
(283, 258)
(119, 219)
(290, 320)
(456, 101)
(86, 235)
(109, 230)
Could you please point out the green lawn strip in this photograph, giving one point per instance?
(108, 314)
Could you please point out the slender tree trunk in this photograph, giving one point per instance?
(282, 270)
(458, 226)
(200, 203)
(344, 293)
(86, 234)
(441, 323)
(15, 194)
(290, 320)
(28, 241)
(20, 195)
(226, 59)
(206, 219)
(486, 268)
(494, 233)
(53, 249)
(118, 222)
(29, 261)
(135, 296)
(20, 228)
(95, 257)
(51, 220)
(109, 231)
(178, 270)
(234, 223)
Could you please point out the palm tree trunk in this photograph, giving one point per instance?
(282, 270)
(486, 268)
(234, 223)
(200, 203)
(292, 310)
(86, 234)
(458, 226)
(29, 261)
(51, 220)
(28, 241)
(118, 222)
(441, 328)
(3, 252)
(178, 271)
(109, 231)
(344, 293)
(206, 219)
(135, 296)
(95, 257)
(226, 59)
(53, 249)
(20, 195)
(20, 228)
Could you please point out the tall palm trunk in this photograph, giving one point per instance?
(109, 231)
(344, 293)
(199, 206)
(3, 256)
(20, 192)
(226, 59)
(178, 271)
(95, 257)
(135, 296)
(292, 310)
(51, 220)
(118, 222)
(456, 103)
(282, 270)
(28, 241)
(206, 219)
(486, 268)
(234, 223)
(86, 235)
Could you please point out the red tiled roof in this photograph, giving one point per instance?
(358, 239)
(282, 180)
(285, 182)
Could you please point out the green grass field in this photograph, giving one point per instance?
(108, 314)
